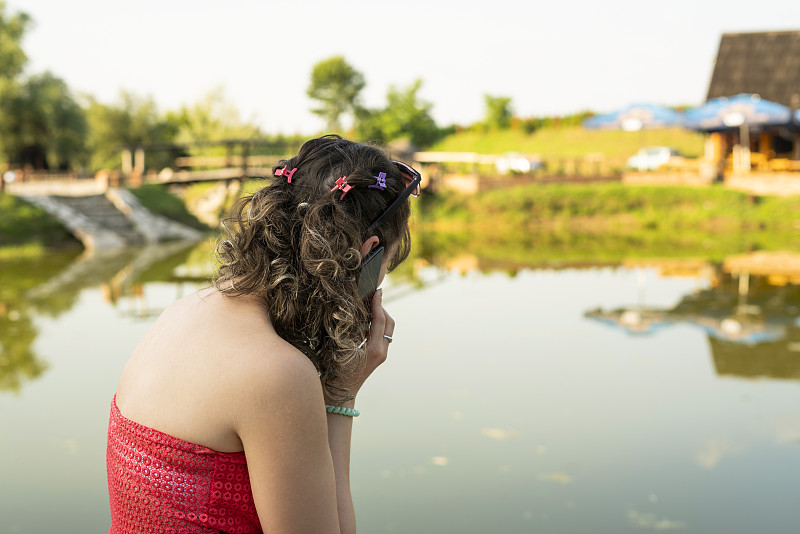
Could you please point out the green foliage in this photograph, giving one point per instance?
(157, 199)
(12, 29)
(337, 86)
(404, 117)
(12, 62)
(498, 111)
(213, 118)
(46, 123)
(19, 361)
(572, 142)
(616, 209)
(132, 121)
(24, 223)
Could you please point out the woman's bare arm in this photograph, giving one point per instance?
(285, 434)
(298, 455)
(340, 427)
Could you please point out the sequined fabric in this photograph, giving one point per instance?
(158, 483)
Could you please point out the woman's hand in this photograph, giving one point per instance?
(377, 343)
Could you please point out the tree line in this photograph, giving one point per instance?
(44, 125)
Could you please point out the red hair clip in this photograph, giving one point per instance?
(284, 172)
(342, 184)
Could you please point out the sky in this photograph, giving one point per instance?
(551, 58)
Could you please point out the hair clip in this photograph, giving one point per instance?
(284, 172)
(342, 184)
(380, 182)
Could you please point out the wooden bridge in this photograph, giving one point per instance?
(175, 164)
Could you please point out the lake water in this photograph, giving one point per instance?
(658, 395)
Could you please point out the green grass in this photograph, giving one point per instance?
(22, 223)
(159, 200)
(605, 206)
(606, 222)
(571, 142)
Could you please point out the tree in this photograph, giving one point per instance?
(131, 122)
(213, 118)
(45, 126)
(498, 111)
(337, 86)
(12, 57)
(12, 61)
(404, 117)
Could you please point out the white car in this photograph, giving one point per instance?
(512, 162)
(653, 158)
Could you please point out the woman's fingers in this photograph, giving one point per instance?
(382, 325)
(378, 318)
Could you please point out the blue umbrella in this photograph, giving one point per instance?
(735, 112)
(740, 112)
(636, 117)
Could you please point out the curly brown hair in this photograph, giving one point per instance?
(297, 248)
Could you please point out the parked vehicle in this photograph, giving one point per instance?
(653, 158)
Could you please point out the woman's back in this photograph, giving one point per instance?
(186, 376)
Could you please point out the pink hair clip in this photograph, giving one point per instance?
(342, 184)
(380, 182)
(284, 172)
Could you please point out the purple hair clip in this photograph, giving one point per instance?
(284, 172)
(380, 182)
(342, 184)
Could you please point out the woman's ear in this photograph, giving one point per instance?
(368, 245)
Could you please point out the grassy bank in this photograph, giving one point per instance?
(160, 201)
(613, 207)
(27, 230)
(607, 222)
(571, 142)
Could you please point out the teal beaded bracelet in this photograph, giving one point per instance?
(352, 412)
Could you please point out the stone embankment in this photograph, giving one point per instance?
(112, 220)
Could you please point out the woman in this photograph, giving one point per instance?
(234, 412)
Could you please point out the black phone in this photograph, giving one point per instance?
(370, 272)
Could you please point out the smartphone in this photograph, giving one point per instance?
(370, 272)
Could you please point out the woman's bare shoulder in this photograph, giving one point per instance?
(261, 367)
(224, 348)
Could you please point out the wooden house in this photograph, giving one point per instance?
(766, 64)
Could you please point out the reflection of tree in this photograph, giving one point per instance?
(50, 286)
(18, 361)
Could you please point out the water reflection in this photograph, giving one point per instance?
(49, 287)
(18, 362)
(750, 312)
(501, 408)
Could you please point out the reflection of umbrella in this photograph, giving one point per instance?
(636, 117)
(635, 321)
(741, 111)
(741, 330)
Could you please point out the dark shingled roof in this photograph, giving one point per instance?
(767, 64)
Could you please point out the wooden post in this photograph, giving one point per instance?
(138, 160)
(765, 145)
(796, 146)
(245, 155)
(745, 150)
(228, 155)
(127, 162)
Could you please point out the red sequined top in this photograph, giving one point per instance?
(158, 483)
